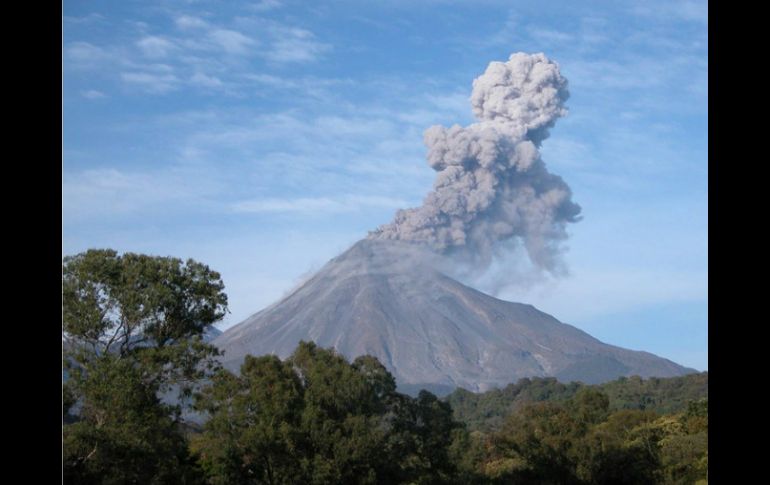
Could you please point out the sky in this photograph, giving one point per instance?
(264, 138)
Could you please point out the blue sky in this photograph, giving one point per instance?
(263, 138)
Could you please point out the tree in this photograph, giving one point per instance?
(318, 419)
(124, 435)
(539, 443)
(433, 427)
(149, 309)
(467, 452)
(590, 406)
(132, 328)
(684, 448)
(342, 416)
(610, 454)
(253, 433)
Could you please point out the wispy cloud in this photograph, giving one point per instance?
(203, 80)
(85, 19)
(605, 74)
(231, 41)
(550, 36)
(435, 108)
(188, 22)
(306, 86)
(152, 83)
(315, 205)
(112, 192)
(687, 10)
(265, 5)
(204, 53)
(92, 94)
(291, 44)
(84, 54)
(155, 47)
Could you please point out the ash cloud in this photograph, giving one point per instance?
(493, 191)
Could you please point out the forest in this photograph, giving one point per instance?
(132, 327)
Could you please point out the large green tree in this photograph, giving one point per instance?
(318, 419)
(609, 455)
(147, 308)
(252, 435)
(123, 434)
(579, 441)
(132, 330)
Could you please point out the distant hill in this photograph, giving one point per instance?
(429, 330)
(486, 411)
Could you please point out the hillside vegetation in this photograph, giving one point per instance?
(487, 411)
(134, 328)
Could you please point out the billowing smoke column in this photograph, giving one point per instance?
(492, 185)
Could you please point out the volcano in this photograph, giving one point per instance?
(385, 299)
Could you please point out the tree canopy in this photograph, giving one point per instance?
(486, 411)
(317, 419)
(131, 330)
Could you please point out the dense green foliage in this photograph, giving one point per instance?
(132, 329)
(123, 434)
(487, 411)
(670, 395)
(580, 441)
(318, 419)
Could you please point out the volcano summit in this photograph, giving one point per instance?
(428, 329)
(391, 295)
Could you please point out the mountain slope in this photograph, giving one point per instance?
(379, 298)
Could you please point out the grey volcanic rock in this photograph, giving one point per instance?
(383, 298)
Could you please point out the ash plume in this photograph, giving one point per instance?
(492, 189)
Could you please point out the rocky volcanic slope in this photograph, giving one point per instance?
(428, 329)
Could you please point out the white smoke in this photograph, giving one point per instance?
(492, 186)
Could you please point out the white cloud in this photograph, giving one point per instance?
(550, 36)
(139, 26)
(371, 140)
(107, 194)
(155, 47)
(347, 126)
(110, 191)
(231, 41)
(696, 11)
(272, 81)
(301, 131)
(84, 54)
(309, 86)
(86, 19)
(606, 74)
(666, 11)
(194, 51)
(303, 204)
(291, 44)
(315, 205)
(201, 79)
(92, 94)
(265, 5)
(151, 82)
(188, 22)
(438, 108)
